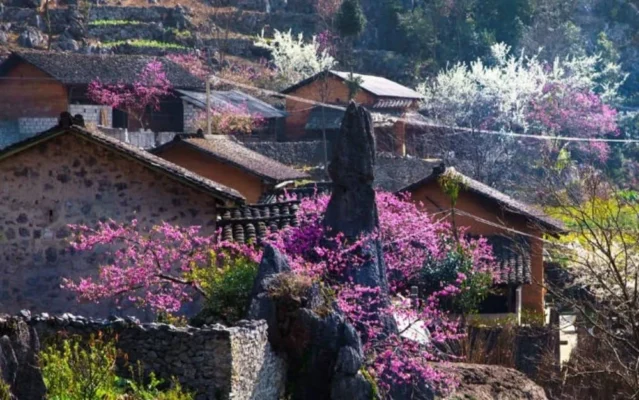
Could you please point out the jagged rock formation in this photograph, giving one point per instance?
(323, 351)
(352, 209)
(19, 369)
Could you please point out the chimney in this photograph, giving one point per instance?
(65, 120)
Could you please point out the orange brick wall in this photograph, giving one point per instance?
(434, 200)
(185, 156)
(36, 96)
(336, 93)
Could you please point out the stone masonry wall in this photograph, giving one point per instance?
(70, 180)
(214, 362)
(92, 114)
(31, 126)
(191, 114)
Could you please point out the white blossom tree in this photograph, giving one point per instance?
(517, 93)
(294, 58)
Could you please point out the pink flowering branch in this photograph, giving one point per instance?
(230, 120)
(153, 269)
(146, 92)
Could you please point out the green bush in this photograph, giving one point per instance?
(112, 22)
(5, 393)
(227, 282)
(145, 43)
(77, 370)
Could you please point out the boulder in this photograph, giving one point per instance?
(66, 42)
(491, 382)
(31, 38)
(323, 352)
(19, 346)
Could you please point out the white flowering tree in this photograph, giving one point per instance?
(294, 58)
(518, 93)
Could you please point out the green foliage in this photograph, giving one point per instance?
(451, 185)
(145, 43)
(438, 272)
(370, 379)
(74, 370)
(354, 84)
(113, 22)
(78, 370)
(350, 20)
(227, 282)
(5, 393)
(148, 388)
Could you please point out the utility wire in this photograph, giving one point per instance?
(457, 129)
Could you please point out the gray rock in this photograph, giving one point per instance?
(19, 347)
(3, 37)
(352, 388)
(31, 38)
(66, 42)
(352, 209)
(349, 360)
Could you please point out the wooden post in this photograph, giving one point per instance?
(518, 304)
(208, 105)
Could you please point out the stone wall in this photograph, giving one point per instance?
(190, 117)
(31, 126)
(70, 180)
(93, 114)
(214, 362)
(142, 139)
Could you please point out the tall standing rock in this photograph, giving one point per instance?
(352, 209)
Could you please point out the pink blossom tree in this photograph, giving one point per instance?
(146, 92)
(156, 270)
(192, 63)
(564, 111)
(230, 120)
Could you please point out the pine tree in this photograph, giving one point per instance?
(350, 19)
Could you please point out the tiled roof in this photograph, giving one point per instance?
(392, 103)
(235, 98)
(230, 151)
(147, 159)
(513, 258)
(508, 203)
(375, 85)
(251, 223)
(82, 69)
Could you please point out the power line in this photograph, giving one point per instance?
(457, 129)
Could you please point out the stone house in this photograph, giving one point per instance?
(224, 159)
(71, 175)
(271, 126)
(387, 101)
(514, 229)
(35, 86)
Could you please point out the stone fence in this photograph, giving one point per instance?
(214, 362)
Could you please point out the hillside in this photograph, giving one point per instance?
(403, 40)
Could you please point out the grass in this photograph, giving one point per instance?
(145, 43)
(113, 22)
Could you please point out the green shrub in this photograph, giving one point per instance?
(112, 22)
(5, 393)
(145, 43)
(77, 370)
(74, 370)
(227, 282)
(139, 388)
